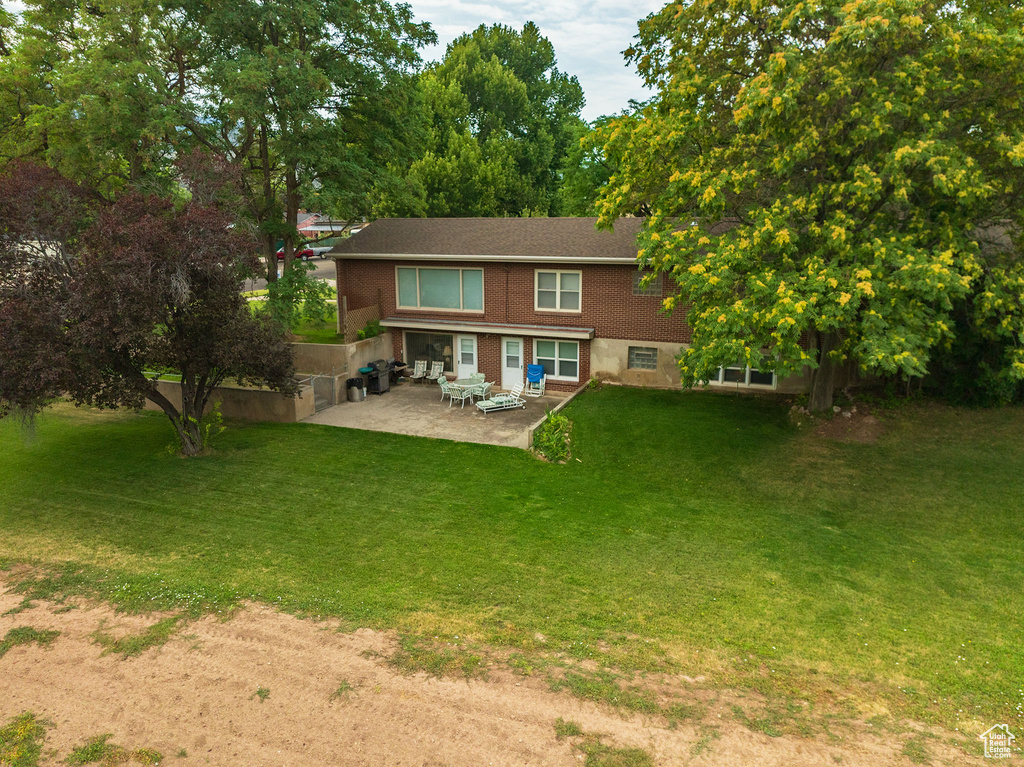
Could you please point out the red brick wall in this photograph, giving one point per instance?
(488, 352)
(608, 303)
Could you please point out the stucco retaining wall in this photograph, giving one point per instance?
(249, 404)
(340, 359)
(321, 359)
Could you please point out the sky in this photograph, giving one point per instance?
(589, 37)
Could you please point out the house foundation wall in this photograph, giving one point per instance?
(609, 359)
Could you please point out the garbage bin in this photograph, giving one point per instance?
(354, 386)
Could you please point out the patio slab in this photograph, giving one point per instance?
(417, 409)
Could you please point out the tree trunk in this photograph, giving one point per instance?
(823, 379)
(190, 436)
(291, 214)
(269, 251)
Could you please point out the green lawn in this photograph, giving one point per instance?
(689, 532)
(314, 332)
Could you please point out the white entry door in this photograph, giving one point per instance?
(511, 362)
(467, 356)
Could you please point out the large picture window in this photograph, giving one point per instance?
(457, 290)
(432, 347)
(557, 291)
(561, 359)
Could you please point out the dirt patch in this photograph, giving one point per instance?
(849, 424)
(859, 427)
(328, 699)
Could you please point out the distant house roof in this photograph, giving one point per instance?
(497, 239)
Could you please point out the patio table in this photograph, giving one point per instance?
(467, 383)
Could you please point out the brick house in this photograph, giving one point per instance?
(492, 295)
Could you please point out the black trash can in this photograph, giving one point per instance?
(354, 386)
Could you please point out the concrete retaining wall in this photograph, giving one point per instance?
(321, 359)
(249, 404)
(341, 360)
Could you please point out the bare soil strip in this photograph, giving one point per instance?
(198, 693)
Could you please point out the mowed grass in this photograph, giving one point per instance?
(688, 532)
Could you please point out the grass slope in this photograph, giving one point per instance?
(689, 531)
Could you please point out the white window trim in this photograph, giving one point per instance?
(745, 383)
(398, 294)
(556, 341)
(558, 290)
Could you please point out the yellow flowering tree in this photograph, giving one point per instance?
(825, 180)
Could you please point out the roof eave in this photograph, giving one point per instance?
(577, 334)
(498, 259)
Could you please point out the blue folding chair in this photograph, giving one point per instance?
(534, 380)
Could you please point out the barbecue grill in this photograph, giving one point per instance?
(378, 380)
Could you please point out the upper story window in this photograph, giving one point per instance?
(557, 291)
(427, 287)
(652, 288)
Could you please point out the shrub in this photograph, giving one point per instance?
(296, 296)
(372, 330)
(551, 439)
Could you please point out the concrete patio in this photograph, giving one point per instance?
(417, 409)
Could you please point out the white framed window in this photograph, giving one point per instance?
(653, 288)
(557, 291)
(434, 287)
(561, 359)
(642, 358)
(744, 375)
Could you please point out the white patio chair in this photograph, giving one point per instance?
(436, 370)
(419, 371)
(502, 401)
(483, 389)
(446, 389)
(461, 393)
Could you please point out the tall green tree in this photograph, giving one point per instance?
(308, 98)
(500, 120)
(585, 171)
(311, 95)
(96, 90)
(827, 179)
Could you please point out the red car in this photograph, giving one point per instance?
(306, 253)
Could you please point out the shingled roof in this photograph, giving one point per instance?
(504, 239)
